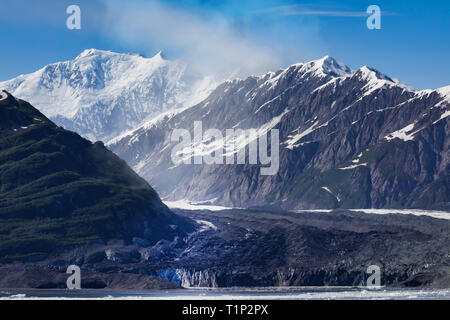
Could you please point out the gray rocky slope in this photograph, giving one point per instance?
(348, 139)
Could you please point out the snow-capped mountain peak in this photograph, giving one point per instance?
(159, 55)
(93, 52)
(329, 65)
(376, 80)
(370, 74)
(101, 94)
(326, 66)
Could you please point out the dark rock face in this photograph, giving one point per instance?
(59, 191)
(348, 140)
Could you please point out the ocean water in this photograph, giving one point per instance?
(302, 293)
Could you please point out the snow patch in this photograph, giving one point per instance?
(189, 205)
(329, 191)
(354, 166)
(247, 136)
(206, 225)
(292, 142)
(417, 212)
(443, 116)
(313, 210)
(403, 134)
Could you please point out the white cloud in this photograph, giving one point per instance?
(209, 42)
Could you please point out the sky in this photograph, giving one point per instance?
(245, 37)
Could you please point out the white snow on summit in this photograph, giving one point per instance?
(376, 80)
(326, 66)
(101, 94)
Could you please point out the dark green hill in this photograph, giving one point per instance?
(58, 190)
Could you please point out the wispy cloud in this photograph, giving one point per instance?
(302, 10)
(209, 43)
(326, 13)
(207, 40)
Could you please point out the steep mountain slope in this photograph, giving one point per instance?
(349, 139)
(58, 190)
(100, 94)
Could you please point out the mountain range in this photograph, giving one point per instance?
(348, 139)
(101, 94)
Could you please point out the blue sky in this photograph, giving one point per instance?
(413, 44)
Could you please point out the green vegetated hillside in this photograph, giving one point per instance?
(58, 191)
